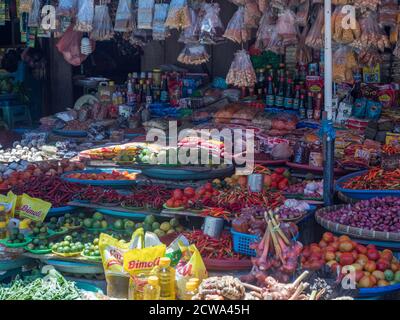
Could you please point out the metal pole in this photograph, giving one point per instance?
(328, 139)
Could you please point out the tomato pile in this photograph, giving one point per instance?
(189, 196)
(373, 268)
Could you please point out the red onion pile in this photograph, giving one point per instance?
(378, 214)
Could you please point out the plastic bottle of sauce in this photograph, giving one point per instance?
(166, 275)
(191, 290)
(151, 290)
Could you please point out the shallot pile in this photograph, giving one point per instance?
(378, 214)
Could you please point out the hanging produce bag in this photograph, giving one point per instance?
(160, 31)
(286, 28)
(145, 14)
(102, 25)
(191, 33)
(69, 46)
(211, 27)
(315, 37)
(241, 73)
(84, 18)
(265, 30)
(236, 31)
(124, 18)
(178, 15)
(193, 54)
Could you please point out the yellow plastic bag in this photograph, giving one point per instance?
(186, 269)
(112, 255)
(33, 208)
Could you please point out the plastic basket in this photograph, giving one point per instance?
(242, 241)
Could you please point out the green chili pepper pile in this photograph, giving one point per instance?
(52, 287)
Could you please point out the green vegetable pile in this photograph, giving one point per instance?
(52, 287)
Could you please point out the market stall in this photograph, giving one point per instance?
(139, 187)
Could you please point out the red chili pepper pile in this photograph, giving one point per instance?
(100, 195)
(234, 200)
(375, 179)
(51, 189)
(152, 197)
(210, 248)
(216, 213)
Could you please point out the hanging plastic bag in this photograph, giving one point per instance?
(145, 14)
(236, 31)
(286, 28)
(264, 32)
(302, 13)
(340, 34)
(211, 27)
(241, 73)
(123, 17)
(191, 33)
(193, 54)
(84, 17)
(262, 5)
(369, 57)
(25, 6)
(315, 37)
(67, 8)
(275, 43)
(160, 31)
(69, 46)
(344, 62)
(388, 12)
(186, 269)
(34, 14)
(102, 25)
(252, 15)
(366, 5)
(178, 15)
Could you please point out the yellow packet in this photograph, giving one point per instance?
(12, 197)
(33, 208)
(112, 255)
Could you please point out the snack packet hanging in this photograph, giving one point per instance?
(145, 14)
(193, 54)
(241, 73)
(211, 27)
(84, 17)
(123, 17)
(191, 33)
(34, 14)
(102, 25)
(178, 15)
(190, 266)
(67, 8)
(341, 34)
(286, 27)
(112, 252)
(344, 62)
(160, 31)
(33, 208)
(236, 31)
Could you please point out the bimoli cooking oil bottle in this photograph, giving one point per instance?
(151, 290)
(166, 276)
(191, 290)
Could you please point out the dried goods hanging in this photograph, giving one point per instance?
(302, 13)
(178, 15)
(366, 5)
(211, 27)
(145, 14)
(340, 34)
(275, 43)
(315, 37)
(369, 57)
(34, 14)
(264, 32)
(252, 15)
(84, 17)
(25, 6)
(241, 73)
(371, 34)
(286, 28)
(388, 13)
(303, 53)
(194, 54)
(124, 17)
(102, 25)
(236, 31)
(344, 62)
(160, 31)
(191, 33)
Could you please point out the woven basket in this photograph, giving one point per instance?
(352, 231)
(346, 199)
(390, 162)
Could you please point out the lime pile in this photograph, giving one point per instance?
(68, 246)
(16, 236)
(92, 249)
(163, 228)
(97, 221)
(39, 230)
(39, 244)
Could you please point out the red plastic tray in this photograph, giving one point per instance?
(227, 265)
